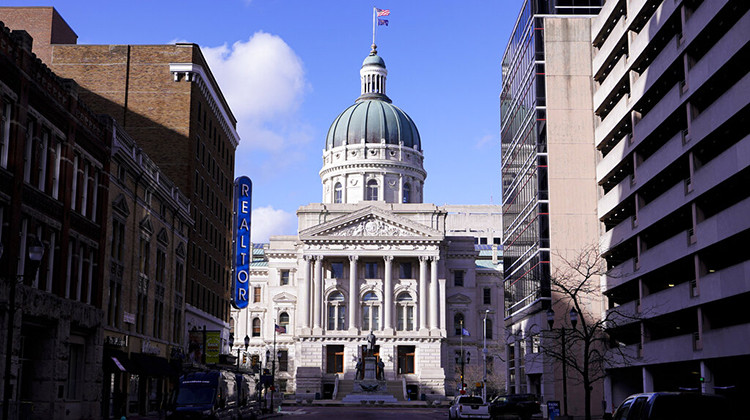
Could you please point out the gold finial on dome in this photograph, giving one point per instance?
(374, 50)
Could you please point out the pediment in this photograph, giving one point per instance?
(371, 223)
(120, 204)
(181, 250)
(162, 236)
(285, 298)
(459, 299)
(146, 225)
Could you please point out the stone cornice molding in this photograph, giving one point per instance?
(371, 166)
(189, 71)
(370, 223)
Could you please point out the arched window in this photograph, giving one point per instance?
(405, 312)
(488, 329)
(370, 312)
(371, 193)
(284, 321)
(407, 193)
(458, 323)
(256, 327)
(338, 193)
(336, 311)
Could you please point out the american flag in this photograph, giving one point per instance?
(280, 329)
(383, 12)
(382, 22)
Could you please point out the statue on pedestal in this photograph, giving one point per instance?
(371, 343)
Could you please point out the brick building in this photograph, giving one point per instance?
(144, 297)
(54, 162)
(165, 97)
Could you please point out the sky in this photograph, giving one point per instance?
(288, 68)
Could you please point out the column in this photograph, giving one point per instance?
(422, 293)
(388, 293)
(304, 295)
(317, 290)
(434, 292)
(441, 298)
(353, 292)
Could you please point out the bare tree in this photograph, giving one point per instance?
(576, 290)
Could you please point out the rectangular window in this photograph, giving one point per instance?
(458, 278)
(404, 271)
(145, 256)
(256, 294)
(371, 270)
(283, 361)
(118, 240)
(142, 308)
(335, 359)
(337, 270)
(405, 360)
(284, 277)
(161, 266)
(5, 134)
(177, 324)
(113, 307)
(158, 317)
(535, 343)
(487, 296)
(75, 371)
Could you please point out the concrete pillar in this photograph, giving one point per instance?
(434, 292)
(388, 294)
(423, 293)
(648, 380)
(353, 293)
(304, 295)
(317, 291)
(706, 375)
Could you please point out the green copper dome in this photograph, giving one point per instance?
(373, 117)
(373, 120)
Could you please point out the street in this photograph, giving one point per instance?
(328, 413)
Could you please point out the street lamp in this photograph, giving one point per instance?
(463, 360)
(573, 322)
(36, 252)
(484, 357)
(277, 355)
(247, 344)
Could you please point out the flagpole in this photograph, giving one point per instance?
(374, 19)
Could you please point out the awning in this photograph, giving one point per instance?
(150, 365)
(117, 361)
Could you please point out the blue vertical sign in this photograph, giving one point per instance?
(243, 252)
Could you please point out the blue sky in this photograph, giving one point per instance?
(289, 67)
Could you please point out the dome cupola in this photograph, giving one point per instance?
(373, 151)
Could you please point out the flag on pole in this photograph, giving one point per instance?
(382, 22)
(464, 331)
(280, 329)
(383, 12)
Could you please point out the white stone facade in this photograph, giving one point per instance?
(373, 257)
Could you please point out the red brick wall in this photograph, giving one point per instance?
(44, 24)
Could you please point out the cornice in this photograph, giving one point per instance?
(190, 70)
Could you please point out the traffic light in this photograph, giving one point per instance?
(244, 358)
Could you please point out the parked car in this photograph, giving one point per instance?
(521, 405)
(675, 405)
(467, 407)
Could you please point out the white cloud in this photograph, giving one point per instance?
(267, 221)
(264, 82)
(485, 140)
